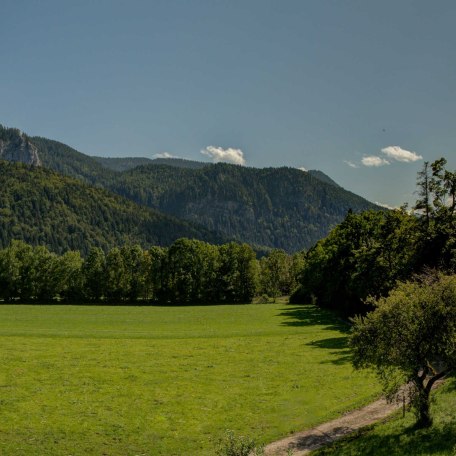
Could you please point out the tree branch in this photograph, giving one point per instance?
(436, 377)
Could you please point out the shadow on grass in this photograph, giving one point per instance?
(437, 440)
(309, 315)
(332, 343)
(339, 345)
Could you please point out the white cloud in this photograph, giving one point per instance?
(373, 160)
(401, 155)
(164, 155)
(303, 169)
(387, 206)
(230, 155)
(351, 164)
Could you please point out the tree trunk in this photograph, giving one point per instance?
(422, 402)
(423, 408)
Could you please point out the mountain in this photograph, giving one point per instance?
(272, 207)
(16, 147)
(275, 207)
(323, 177)
(42, 207)
(127, 163)
(69, 162)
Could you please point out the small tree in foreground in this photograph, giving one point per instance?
(410, 337)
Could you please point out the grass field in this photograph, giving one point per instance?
(92, 380)
(398, 437)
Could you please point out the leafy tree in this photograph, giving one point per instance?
(44, 276)
(410, 337)
(133, 258)
(155, 265)
(93, 273)
(237, 273)
(116, 276)
(276, 274)
(437, 201)
(71, 276)
(11, 269)
(191, 268)
(365, 255)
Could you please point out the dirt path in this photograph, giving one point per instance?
(303, 442)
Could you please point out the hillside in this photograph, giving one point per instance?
(69, 162)
(272, 207)
(17, 147)
(42, 207)
(126, 163)
(277, 207)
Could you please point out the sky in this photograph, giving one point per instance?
(364, 91)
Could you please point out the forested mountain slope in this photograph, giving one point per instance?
(273, 207)
(126, 163)
(42, 207)
(69, 162)
(277, 207)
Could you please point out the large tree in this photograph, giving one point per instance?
(363, 256)
(410, 337)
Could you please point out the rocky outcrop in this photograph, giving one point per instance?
(18, 148)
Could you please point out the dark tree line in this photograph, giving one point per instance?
(41, 207)
(187, 272)
(368, 253)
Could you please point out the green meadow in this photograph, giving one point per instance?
(99, 380)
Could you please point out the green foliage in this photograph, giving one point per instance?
(363, 256)
(234, 445)
(126, 163)
(281, 208)
(41, 207)
(437, 203)
(187, 272)
(276, 207)
(369, 252)
(277, 278)
(410, 337)
(238, 273)
(399, 436)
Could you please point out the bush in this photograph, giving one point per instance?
(237, 445)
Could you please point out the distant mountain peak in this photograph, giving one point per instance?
(15, 146)
(320, 175)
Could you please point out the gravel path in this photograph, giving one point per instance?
(303, 442)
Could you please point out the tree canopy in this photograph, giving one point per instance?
(368, 253)
(410, 337)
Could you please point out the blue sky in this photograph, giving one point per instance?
(317, 84)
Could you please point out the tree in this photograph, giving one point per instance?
(12, 261)
(155, 273)
(363, 256)
(276, 278)
(410, 337)
(191, 268)
(237, 273)
(437, 201)
(133, 259)
(115, 276)
(70, 273)
(93, 272)
(423, 203)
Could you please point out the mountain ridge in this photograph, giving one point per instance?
(42, 207)
(281, 207)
